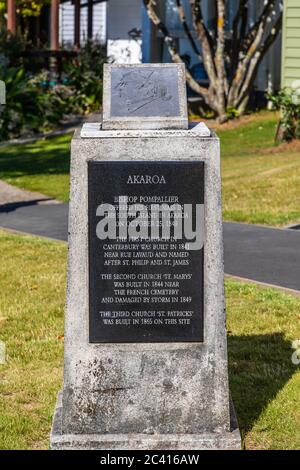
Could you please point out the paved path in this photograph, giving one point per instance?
(49, 220)
(263, 254)
(253, 252)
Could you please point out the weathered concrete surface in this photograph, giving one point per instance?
(156, 388)
(206, 441)
(93, 130)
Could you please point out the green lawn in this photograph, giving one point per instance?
(262, 323)
(32, 279)
(249, 137)
(261, 182)
(42, 166)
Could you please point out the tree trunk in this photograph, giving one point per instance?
(229, 87)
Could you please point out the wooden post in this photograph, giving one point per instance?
(90, 19)
(11, 16)
(54, 25)
(77, 23)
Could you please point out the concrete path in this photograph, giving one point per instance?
(266, 255)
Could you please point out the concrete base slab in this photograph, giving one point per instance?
(205, 441)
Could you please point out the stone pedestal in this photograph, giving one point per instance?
(164, 395)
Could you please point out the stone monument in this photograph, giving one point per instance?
(145, 362)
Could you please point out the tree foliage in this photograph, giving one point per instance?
(26, 8)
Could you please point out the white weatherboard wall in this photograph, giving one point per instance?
(124, 16)
(291, 44)
(66, 23)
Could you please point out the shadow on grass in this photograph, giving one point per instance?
(259, 367)
(49, 156)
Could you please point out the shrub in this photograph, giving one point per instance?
(288, 101)
(11, 48)
(84, 74)
(24, 104)
(36, 102)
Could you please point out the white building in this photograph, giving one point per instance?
(67, 20)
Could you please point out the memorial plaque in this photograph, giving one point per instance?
(145, 96)
(145, 364)
(146, 284)
(144, 92)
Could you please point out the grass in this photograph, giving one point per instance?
(41, 166)
(32, 279)
(261, 182)
(261, 326)
(248, 136)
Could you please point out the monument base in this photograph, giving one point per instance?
(230, 440)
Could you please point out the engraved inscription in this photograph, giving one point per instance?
(144, 92)
(146, 226)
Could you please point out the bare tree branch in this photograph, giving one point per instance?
(238, 17)
(238, 32)
(220, 59)
(256, 60)
(170, 42)
(253, 48)
(269, 5)
(186, 28)
(199, 22)
(243, 53)
(205, 39)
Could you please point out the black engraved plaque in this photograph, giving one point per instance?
(145, 289)
(144, 92)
